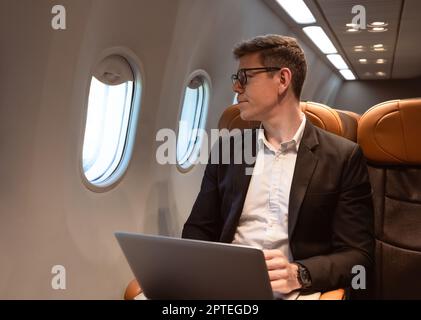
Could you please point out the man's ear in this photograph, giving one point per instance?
(285, 77)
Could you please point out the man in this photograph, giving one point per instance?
(310, 206)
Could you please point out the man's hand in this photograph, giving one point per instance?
(282, 274)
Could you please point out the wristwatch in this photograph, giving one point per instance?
(303, 276)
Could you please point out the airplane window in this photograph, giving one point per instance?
(110, 107)
(192, 120)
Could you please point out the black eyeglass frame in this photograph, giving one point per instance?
(243, 72)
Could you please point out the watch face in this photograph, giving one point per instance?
(304, 277)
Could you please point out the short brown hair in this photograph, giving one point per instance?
(277, 51)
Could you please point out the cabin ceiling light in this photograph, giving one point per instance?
(298, 11)
(378, 24)
(337, 61)
(359, 48)
(380, 73)
(352, 30)
(377, 29)
(368, 74)
(320, 39)
(378, 48)
(347, 74)
(381, 61)
(363, 61)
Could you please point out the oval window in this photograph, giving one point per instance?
(107, 130)
(192, 120)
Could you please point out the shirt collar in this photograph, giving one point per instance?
(294, 142)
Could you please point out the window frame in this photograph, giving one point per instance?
(137, 97)
(235, 99)
(195, 152)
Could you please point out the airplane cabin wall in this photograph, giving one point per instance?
(48, 216)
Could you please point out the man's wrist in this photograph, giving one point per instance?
(303, 276)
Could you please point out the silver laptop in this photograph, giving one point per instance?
(173, 268)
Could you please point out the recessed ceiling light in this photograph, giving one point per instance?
(347, 74)
(363, 61)
(337, 61)
(352, 30)
(378, 48)
(380, 73)
(378, 24)
(359, 48)
(381, 61)
(352, 25)
(320, 39)
(298, 11)
(368, 74)
(377, 29)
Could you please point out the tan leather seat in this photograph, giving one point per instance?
(319, 114)
(389, 134)
(323, 117)
(231, 119)
(354, 115)
(349, 123)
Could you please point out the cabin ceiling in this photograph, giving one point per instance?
(403, 55)
(403, 50)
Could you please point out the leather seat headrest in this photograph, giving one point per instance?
(320, 115)
(390, 132)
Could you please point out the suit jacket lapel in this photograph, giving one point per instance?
(304, 167)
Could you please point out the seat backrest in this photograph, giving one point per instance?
(322, 116)
(230, 119)
(389, 135)
(319, 114)
(349, 124)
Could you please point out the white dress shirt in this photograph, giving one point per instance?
(264, 221)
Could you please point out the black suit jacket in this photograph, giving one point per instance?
(330, 218)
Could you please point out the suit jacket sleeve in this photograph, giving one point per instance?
(352, 227)
(204, 220)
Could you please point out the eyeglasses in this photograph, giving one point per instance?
(241, 75)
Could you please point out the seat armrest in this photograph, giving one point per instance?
(338, 294)
(133, 290)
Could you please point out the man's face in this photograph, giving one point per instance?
(260, 94)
